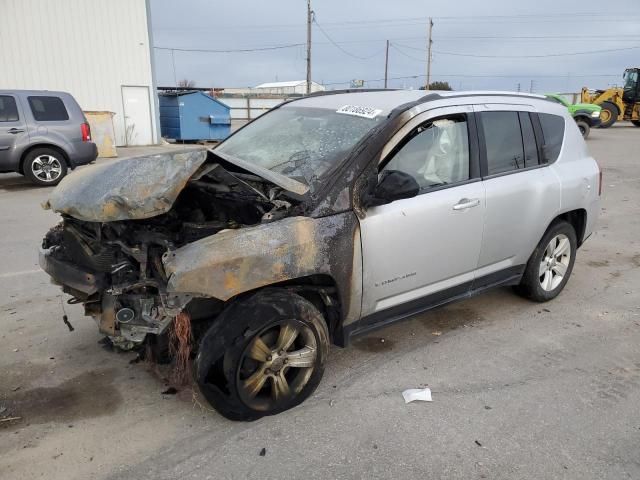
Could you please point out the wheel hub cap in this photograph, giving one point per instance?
(555, 262)
(277, 365)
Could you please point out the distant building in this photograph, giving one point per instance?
(99, 51)
(288, 88)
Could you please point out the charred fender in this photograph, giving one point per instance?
(236, 261)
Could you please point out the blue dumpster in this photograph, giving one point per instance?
(193, 116)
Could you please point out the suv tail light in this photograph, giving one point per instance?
(86, 132)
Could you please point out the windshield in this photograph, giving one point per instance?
(630, 79)
(298, 142)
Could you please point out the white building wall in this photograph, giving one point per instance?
(89, 48)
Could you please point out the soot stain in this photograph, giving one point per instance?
(446, 319)
(88, 395)
(374, 344)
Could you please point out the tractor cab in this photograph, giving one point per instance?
(631, 89)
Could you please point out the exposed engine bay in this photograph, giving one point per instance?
(115, 267)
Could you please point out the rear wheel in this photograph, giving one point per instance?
(608, 114)
(263, 355)
(44, 166)
(584, 128)
(550, 264)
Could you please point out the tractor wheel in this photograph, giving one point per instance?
(608, 115)
(636, 122)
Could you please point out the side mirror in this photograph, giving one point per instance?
(393, 185)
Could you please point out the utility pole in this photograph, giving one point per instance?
(429, 43)
(386, 65)
(309, 20)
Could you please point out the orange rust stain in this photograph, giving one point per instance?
(231, 282)
(110, 210)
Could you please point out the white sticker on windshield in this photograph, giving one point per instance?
(366, 112)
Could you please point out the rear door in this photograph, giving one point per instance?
(13, 130)
(521, 192)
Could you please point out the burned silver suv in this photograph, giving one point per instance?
(323, 219)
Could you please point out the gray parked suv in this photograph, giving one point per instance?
(42, 135)
(325, 218)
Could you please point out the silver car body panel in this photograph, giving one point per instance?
(415, 247)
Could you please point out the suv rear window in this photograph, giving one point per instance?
(503, 141)
(8, 109)
(48, 109)
(553, 132)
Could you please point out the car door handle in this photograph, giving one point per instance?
(465, 203)
(15, 130)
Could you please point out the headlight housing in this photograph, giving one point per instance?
(595, 114)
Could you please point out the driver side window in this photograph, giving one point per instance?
(436, 153)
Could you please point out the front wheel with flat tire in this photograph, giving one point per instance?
(584, 128)
(263, 355)
(550, 264)
(44, 166)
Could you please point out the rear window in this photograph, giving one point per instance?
(48, 109)
(8, 109)
(503, 141)
(553, 132)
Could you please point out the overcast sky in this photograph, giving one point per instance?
(492, 40)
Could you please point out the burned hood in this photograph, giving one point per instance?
(126, 189)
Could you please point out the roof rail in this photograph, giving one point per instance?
(348, 90)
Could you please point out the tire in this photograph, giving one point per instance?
(245, 364)
(636, 122)
(542, 279)
(45, 166)
(609, 114)
(584, 128)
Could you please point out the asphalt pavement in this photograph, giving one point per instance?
(520, 390)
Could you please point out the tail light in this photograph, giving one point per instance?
(85, 129)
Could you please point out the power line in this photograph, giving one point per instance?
(335, 44)
(538, 56)
(237, 50)
(465, 75)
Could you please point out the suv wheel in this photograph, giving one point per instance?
(584, 128)
(263, 355)
(45, 166)
(551, 263)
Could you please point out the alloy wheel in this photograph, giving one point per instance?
(277, 365)
(555, 262)
(46, 168)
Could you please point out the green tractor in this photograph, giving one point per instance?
(586, 115)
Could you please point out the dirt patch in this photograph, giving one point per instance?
(636, 260)
(446, 319)
(598, 263)
(374, 344)
(88, 395)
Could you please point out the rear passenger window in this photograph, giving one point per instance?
(48, 109)
(553, 132)
(8, 109)
(503, 141)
